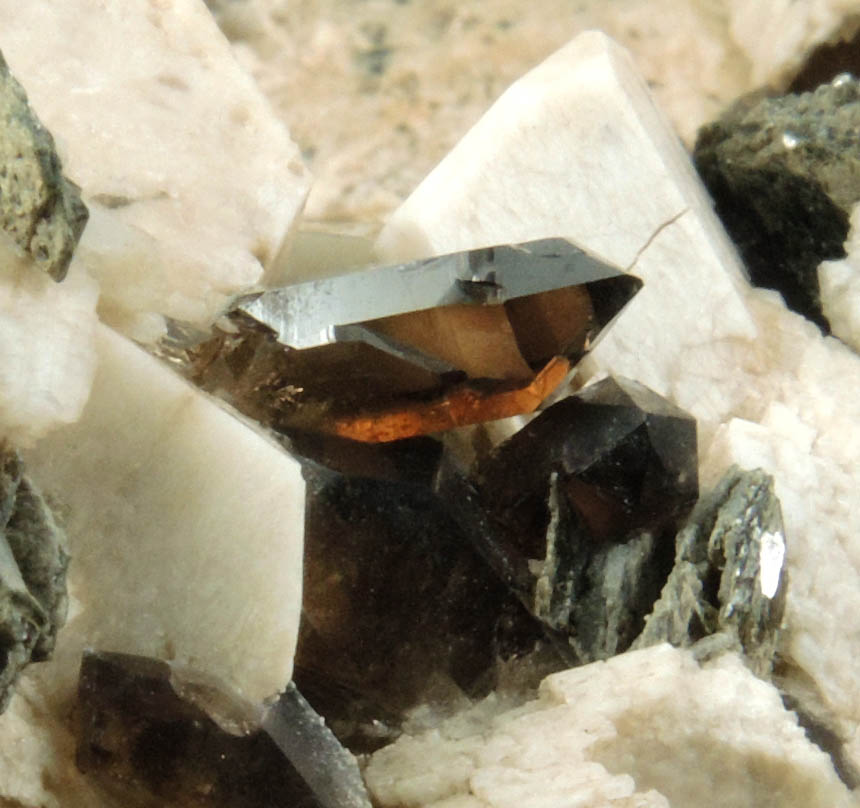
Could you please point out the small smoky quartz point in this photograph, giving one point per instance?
(587, 497)
(153, 734)
(392, 352)
(33, 564)
(728, 584)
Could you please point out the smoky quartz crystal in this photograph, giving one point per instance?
(397, 351)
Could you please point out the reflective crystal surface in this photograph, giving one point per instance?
(152, 734)
(397, 351)
(728, 583)
(400, 609)
(584, 502)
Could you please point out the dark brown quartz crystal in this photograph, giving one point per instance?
(393, 352)
(399, 607)
(33, 565)
(152, 734)
(584, 503)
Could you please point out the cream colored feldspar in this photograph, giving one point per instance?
(47, 351)
(191, 181)
(648, 728)
(185, 533)
(840, 288)
(576, 149)
(185, 526)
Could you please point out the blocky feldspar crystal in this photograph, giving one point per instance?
(39, 208)
(393, 352)
(152, 734)
(586, 498)
(400, 609)
(784, 174)
(727, 587)
(33, 565)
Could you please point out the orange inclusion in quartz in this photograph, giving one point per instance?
(461, 407)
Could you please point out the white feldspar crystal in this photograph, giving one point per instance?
(185, 527)
(840, 288)
(47, 350)
(648, 728)
(576, 149)
(191, 181)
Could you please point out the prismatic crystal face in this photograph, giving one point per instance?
(393, 352)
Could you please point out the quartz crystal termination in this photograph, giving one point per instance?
(39, 207)
(400, 608)
(585, 500)
(397, 351)
(154, 734)
(33, 565)
(728, 584)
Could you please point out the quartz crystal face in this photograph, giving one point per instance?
(152, 734)
(585, 501)
(397, 351)
(400, 608)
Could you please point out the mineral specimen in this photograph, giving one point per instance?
(33, 564)
(152, 734)
(183, 497)
(784, 174)
(729, 575)
(192, 183)
(39, 207)
(399, 607)
(645, 729)
(398, 351)
(588, 495)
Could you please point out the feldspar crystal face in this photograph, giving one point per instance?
(393, 352)
(586, 499)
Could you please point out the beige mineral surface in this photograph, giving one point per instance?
(840, 288)
(647, 729)
(47, 353)
(191, 183)
(376, 93)
(193, 187)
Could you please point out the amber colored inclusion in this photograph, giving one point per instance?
(398, 351)
(461, 407)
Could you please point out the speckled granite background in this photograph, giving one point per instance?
(377, 91)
